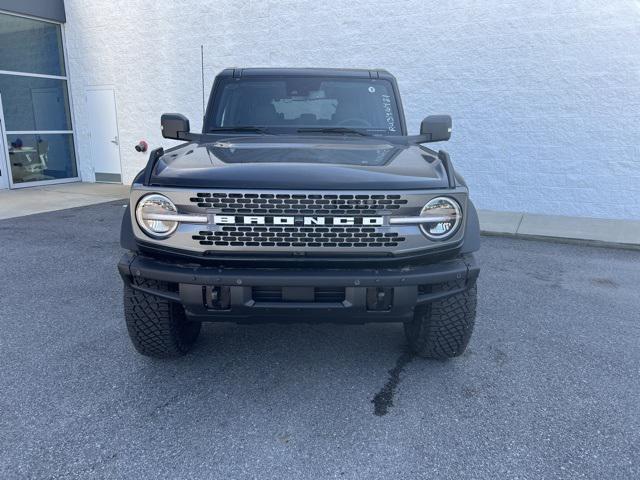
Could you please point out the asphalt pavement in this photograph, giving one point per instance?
(549, 387)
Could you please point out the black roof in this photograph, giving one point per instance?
(306, 72)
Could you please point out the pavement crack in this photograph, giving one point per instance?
(383, 400)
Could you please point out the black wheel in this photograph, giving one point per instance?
(157, 327)
(442, 329)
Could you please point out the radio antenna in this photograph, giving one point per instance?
(202, 74)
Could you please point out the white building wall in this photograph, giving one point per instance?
(545, 94)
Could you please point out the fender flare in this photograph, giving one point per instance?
(127, 239)
(471, 241)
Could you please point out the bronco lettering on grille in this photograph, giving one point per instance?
(295, 220)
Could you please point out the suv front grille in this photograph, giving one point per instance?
(298, 236)
(292, 204)
(323, 235)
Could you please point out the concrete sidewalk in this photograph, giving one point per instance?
(619, 233)
(609, 232)
(27, 201)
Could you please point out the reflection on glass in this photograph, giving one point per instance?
(31, 103)
(32, 46)
(40, 157)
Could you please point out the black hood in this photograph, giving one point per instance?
(300, 163)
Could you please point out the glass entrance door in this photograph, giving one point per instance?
(38, 131)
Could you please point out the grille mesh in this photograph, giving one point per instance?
(293, 236)
(291, 204)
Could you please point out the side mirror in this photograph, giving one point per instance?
(174, 125)
(438, 127)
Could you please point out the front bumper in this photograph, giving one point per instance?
(369, 295)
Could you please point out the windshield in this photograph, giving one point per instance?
(331, 105)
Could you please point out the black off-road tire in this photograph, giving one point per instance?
(442, 329)
(157, 327)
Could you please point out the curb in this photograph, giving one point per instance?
(565, 240)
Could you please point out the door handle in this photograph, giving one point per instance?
(115, 141)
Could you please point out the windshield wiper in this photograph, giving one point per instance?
(247, 128)
(342, 130)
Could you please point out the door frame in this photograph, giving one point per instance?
(112, 89)
(5, 165)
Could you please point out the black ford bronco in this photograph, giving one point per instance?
(302, 200)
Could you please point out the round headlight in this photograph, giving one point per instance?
(446, 215)
(149, 215)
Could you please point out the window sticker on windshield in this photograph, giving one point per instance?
(388, 112)
(372, 89)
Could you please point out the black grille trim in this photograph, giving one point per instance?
(268, 294)
(298, 236)
(298, 204)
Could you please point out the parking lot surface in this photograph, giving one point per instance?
(549, 387)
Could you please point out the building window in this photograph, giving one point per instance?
(35, 113)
